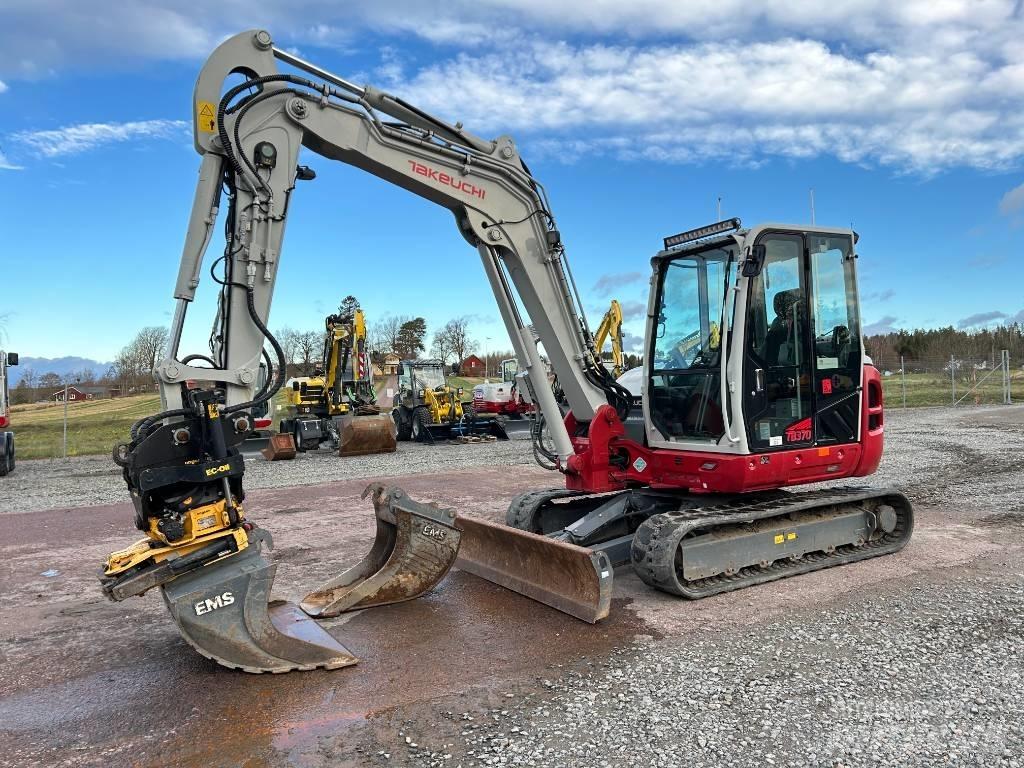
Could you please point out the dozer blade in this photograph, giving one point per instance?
(363, 435)
(415, 546)
(222, 611)
(573, 579)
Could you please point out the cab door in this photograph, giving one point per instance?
(835, 323)
(803, 351)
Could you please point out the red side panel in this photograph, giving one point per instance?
(872, 427)
(606, 460)
(3, 421)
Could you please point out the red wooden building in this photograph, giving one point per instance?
(472, 366)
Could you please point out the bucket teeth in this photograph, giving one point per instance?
(415, 546)
(223, 612)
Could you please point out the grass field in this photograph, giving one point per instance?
(93, 426)
(924, 389)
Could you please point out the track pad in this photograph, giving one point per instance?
(415, 546)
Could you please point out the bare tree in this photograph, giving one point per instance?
(308, 348)
(387, 332)
(50, 380)
(288, 338)
(29, 378)
(441, 347)
(150, 344)
(457, 333)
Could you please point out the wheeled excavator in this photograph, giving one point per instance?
(610, 329)
(338, 404)
(687, 485)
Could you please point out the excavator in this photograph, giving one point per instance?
(338, 404)
(688, 484)
(6, 436)
(610, 328)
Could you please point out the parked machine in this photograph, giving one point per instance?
(687, 486)
(6, 436)
(338, 404)
(610, 329)
(503, 397)
(426, 408)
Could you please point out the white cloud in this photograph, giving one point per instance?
(608, 284)
(1012, 202)
(3, 86)
(73, 139)
(884, 325)
(918, 85)
(982, 319)
(691, 102)
(7, 165)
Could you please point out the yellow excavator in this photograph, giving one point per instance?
(338, 404)
(611, 328)
(754, 379)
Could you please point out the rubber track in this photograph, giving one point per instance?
(655, 544)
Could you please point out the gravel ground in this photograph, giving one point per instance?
(921, 671)
(921, 443)
(881, 681)
(88, 480)
(914, 659)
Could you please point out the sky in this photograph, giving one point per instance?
(906, 119)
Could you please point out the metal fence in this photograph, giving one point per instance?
(951, 380)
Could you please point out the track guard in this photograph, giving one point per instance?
(415, 546)
(223, 611)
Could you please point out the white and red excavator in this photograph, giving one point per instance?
(754, 380)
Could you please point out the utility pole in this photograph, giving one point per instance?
(812, 206)
(65, 417)
(719, 208)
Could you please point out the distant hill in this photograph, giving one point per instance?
(59, 365)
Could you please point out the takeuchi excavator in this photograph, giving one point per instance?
(755, 380)
(338, 404)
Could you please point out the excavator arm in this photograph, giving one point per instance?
(250, 139)
(182, 466)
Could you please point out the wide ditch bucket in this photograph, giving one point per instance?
(364, 435)
(223, 611)
(415, 546)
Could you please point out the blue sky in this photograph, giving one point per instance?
(907, 120)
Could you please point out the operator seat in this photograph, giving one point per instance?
(783, 330)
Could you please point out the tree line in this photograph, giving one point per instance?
(131, 373)
(939, 344)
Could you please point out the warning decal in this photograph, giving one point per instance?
(206, 117)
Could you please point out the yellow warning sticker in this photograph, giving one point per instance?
(790, 536)
(206, 116)
(779, 538)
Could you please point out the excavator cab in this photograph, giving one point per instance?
(754, 340)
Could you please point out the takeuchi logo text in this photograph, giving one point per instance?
(447, 179)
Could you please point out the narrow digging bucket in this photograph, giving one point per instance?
(415, 546)
(223, 611)
(573, 579)
(363, 435)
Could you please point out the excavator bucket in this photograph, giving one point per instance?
(415, 546)
(280, 447)
(222, 611)
(363, 435)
